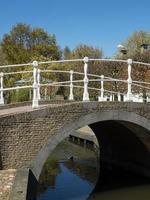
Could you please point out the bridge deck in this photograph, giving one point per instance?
(21, 109)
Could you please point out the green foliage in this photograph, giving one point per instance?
(2, 57)
(133, 46)
(83, 50)
(67, 53)
(24, 42)
(134, 51)
(18, 96)
(134, 42)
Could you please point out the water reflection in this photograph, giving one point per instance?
(75, 179)
(64, 178)
(48, 177)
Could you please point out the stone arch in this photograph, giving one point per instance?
(116, 115)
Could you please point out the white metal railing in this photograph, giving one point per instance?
(71, 83)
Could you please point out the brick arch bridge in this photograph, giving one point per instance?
(28, 136)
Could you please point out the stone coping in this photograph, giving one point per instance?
(29, 103)
(24, 187)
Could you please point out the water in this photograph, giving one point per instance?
(67, 186)
(79, 178)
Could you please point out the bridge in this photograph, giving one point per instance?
(29, 131)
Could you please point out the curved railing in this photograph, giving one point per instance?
(87, 78)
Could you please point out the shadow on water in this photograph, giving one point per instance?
(115, 184)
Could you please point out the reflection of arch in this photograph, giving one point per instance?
(88, 119)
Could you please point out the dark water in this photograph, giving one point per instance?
(79, 178)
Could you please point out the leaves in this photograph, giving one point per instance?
(82, 51)
(136, 52)
(23, 43)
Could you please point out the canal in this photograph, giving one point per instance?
(72, 173)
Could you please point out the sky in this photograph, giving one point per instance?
(100, 23)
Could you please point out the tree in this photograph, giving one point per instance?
(83, 50)
(134, 41)
(141, 72)
(2, 57)
(67, 53)
(136, 52)
(24, 42)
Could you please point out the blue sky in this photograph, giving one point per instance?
(103, 24)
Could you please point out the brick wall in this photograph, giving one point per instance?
(22, 135)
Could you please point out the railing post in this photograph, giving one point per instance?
(35, 102)
(129, 93)
(119, 97)
(38, 83)
(1, 89)
(45, 93)
(85, 93)
(30, 94)
(101, 97)
(71, 97)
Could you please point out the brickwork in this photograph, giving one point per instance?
(23, 134)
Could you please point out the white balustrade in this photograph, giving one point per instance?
(71, 97)
(45, 93)
(129, 93)
(35, 102)
(30, 94)
(38, 83)
(1, 89)
(85, 93)
(129, 96)
(119, 97)
(101, 97)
